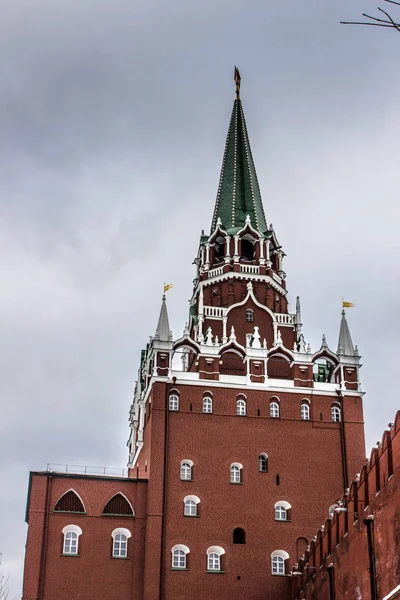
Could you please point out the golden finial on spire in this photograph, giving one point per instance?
(237, 79)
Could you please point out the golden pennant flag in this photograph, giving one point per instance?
(168, 286)
(347, 304)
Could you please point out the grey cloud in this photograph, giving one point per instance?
(113, 120)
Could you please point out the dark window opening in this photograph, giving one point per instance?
(239, 536)
(247, 250)
(118, 505)
(219, 250)
(69, 502)
(322, 371)
(278, 481)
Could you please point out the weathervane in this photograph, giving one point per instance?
(237, 79)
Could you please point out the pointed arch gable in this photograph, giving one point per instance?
(217, 231)
(250, 294)
(119, 505)
(281, 351)
(233, 347)
(325, 353)
(186, 341)
(70, 501)
(248, 228)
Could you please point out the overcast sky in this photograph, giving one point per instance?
(113, 118)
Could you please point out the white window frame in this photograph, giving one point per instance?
(186, 469)
(336, 413)
(214, 554)
(278, 559)
(207, 404)
(235, 473)
(281, 510)
(173, 402)
(179, 554)
(71, 539)
(241, 407)
(249, 315)
(263, 460)
(120, 538)
(274, 409)
(190, 506)
(305, 411)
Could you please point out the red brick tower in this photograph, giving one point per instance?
(244, 434)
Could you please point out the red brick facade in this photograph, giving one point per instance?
(93, 573)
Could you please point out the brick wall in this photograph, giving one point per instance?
(344, 560)
(49, 575)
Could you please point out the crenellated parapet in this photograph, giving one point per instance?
(344, 545)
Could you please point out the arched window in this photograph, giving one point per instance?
(241, 407)
(278, 558)
(247, 247)
(239, 536)
(69, 502)
(186, 470)
(305, 411)
(174, 402)
(282, 510)
(120, 538)
(219, 249)
(214, 554)
(119, 505)
(335, 412)
(71, 539)
(190, 506)
(179, 552)
(274, 409)
(263, 463)
(236, 473)
(249, 315)
(207, 404)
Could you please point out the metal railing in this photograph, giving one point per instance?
(87, 470)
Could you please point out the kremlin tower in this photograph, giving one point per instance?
(241, 436)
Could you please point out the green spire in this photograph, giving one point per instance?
(238, 192)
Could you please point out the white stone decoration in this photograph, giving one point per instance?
(256, 338)
(209, 337)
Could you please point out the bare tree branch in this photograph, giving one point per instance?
(395, 25)
(377, 22)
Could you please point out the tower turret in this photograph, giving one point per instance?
(345, 343)
(163, 332)
(349, 359)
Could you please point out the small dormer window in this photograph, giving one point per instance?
(249, 316)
